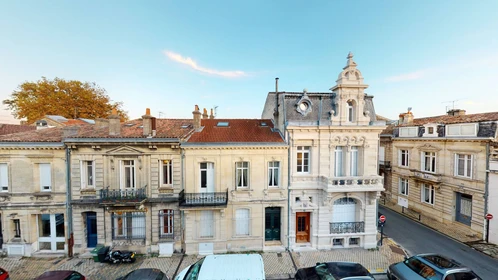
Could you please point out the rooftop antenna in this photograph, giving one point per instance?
(160, 114)
(215, 107)
(452, 104)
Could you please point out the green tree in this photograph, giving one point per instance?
(70, 99)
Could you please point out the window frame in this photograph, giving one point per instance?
(84, 174)
(133, 172)
(17, 228)
(127, 225)
(460, 126)
(339, 168)
(468, 165)
(45, 170)
(408, 131)
(354, 157)
(274, 171)
(204, 225)
(303, 154)
(167, 216)
(4, 177)
(404, 187)
(433, 161)
(242, 172)
(351, 110)
(166, 173)
(404, 154)
(242, 222)
(432, 194)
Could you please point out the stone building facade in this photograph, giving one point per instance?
(493, 193)
(439, 167)
(235, 195)
(333, 141)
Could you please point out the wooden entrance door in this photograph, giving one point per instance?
(302, 227)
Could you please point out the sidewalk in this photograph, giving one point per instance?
(459, 235)
(280, 265)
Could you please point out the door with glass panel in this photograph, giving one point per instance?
(272, 223)
(51, 236)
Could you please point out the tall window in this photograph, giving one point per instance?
(166, 218)
(87, 174)
(463, 165)
(128, 177)
(17, 228)
(273, 173)
(4, 177)
(207, 176)
(353, 156)
(206, 224)
(338, 159)
(303, 157)
(242, 222)
(428, 194)
(242, 174)
(166, 172)
(45, 177)
(128, 225)
(403, 186)
(429, 161)
(350, 111)
(404, 158)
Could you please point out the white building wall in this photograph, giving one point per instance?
(493, 202)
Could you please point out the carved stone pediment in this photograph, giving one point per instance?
(124, 151)
(429, 147)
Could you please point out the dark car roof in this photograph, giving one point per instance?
(144, 273)
(339, 270)
(55, 274)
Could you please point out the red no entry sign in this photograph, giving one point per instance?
(489, 216)
(382, 218)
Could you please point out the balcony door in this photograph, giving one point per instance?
(128, 175)
(207, 177)
(302, 227)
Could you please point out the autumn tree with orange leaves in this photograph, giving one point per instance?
(70, 99)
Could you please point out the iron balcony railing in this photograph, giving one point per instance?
(347, 227)
(203, 199)
(124, 195)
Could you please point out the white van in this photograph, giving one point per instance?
(225, 267)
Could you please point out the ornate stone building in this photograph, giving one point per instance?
(440, 168)
(333, 140)
(235, 195)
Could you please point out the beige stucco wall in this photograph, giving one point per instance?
(256, 198)
(492, 201)
(25, 200)
(444, 207)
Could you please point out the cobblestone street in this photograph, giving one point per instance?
(280, 265)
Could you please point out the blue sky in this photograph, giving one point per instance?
(171, 55)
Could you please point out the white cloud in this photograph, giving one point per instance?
(192, 64)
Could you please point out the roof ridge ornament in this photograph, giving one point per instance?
(351, 63)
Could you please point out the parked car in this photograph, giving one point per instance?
(430, 266)
(145, 274)
(222, 267)
(334, 270)
(4, 275)
(61, 275)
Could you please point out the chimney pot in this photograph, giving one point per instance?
(147, 123)
(147, 111)
(205, 114)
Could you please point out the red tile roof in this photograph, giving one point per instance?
(74, 122)
(14, 128)
(238, 130)
(165, 128)
(446, 119)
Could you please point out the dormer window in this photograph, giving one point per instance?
(222, 124)
(303, 106)
(408, 131)
(467, 129)
(430, 130)
(350, 111)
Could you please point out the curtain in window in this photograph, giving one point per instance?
(273, 167)
(354, 161)
(338, 161)
(242, 222)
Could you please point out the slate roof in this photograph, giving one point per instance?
(14, 128)
(238, 130)
(165, 128)
(447, 119)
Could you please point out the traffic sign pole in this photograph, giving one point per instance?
(488, 217)
(382, 219)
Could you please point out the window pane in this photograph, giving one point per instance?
(59, 225)
(275, 177)
(44, 225)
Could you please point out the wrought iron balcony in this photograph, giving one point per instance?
(203, 199)
(347, 227)
(126, 195)
(385, 165)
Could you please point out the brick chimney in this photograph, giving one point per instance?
(456, 112)
(197, 117)
(205, 114)
(147, 123)
(211, 116)
(408, 118)
(114, 123)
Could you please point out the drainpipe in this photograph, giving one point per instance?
(486, 191)
(69, 211)
(182, 215)
(289, 164)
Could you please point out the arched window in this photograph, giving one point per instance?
(351, 111)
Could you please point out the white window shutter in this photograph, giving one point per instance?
(45, 178)
(4, 177)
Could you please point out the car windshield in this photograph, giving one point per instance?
(194, 270)
(422, 269)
